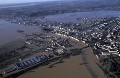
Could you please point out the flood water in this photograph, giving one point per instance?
(8, 31)
(72, 17)
(70, 68)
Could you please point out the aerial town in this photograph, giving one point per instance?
(58, 41)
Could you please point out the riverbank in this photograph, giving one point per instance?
(70, 68)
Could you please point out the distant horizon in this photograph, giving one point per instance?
(29, 1)
(22, 1)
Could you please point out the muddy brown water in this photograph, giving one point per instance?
(8, 31)
(70, 68)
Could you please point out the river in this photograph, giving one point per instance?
(72, 17)
(8, 31)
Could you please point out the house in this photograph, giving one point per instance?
(60, 51)
(113, 51)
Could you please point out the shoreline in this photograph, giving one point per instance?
(89, 69)
(70, 68)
